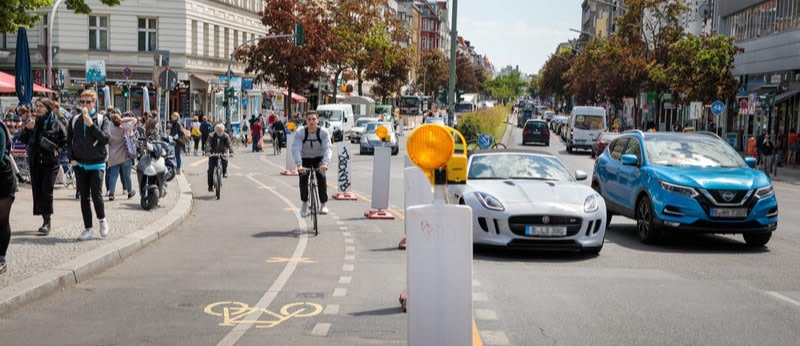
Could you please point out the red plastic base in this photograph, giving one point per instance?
(378, 214)
(344, 196)
(289, 173)
(404, 301)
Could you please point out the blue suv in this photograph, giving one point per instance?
(685, 182)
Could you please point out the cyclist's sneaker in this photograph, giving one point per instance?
(103, 228)
(86, 234)
(324, 209)
(225, 175)
(304, 209)
(210, 189)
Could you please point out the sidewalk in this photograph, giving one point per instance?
(39, 265)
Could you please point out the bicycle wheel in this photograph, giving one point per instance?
(218, 179)
(313, 202)
(499, 146)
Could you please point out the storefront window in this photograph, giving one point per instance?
(766, 18)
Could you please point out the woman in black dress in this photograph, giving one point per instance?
(45, 137)
(8, 186)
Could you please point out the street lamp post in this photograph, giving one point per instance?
(451, 92)
(50, 21)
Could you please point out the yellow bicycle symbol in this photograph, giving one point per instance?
(234, 313)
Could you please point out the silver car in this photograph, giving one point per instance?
(358, 130)
(526, 199)
(370, 140)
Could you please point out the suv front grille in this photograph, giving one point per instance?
(734, 197)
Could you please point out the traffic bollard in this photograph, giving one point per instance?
(291, 167)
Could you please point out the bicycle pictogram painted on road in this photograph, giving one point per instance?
(234, 313)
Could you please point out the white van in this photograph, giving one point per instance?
(337, 118)
(585, 125)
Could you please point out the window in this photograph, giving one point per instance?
(235, 39)
(98, 32)
(216, 40)
(148, 32)
(618, 148)
(227, 43)
(194, 38)
(207, 41)
(634, 149)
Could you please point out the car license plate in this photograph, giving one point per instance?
(580, 141)
(729, 212)
(546, 231)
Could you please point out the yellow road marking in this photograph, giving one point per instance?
(476, 337)
(199, 162)
(284, 260)
(234, 313)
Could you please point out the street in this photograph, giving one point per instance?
(243, 270)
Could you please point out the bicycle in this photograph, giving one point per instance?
(473, 145)
(313, 197)
(217, 178)
(276, 143)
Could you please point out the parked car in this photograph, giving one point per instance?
(434, 120)
(548, 115)
(530, 200)
(685, 182)
(602, 142)
(535, 131)
(370, 140)
(585, 124)
(358, 129)
(557, 120)
(339, 119)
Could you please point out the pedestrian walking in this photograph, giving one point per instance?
(792, 141)
(196, 134)
(245, 130)
(8, 187)
(257, 132)
(767, 151)
(87, 137)
(121, 152)
(759, 147)
(205, 129)
(178, 133)
(45, 138)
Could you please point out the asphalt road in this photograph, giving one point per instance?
(248, 257)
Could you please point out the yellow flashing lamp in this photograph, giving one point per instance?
(292, 126)
(383, 133)
(431, 147)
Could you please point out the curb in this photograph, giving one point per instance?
(96, 260)
(507, 135)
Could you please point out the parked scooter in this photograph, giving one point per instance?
(151, 172)
(170, 160)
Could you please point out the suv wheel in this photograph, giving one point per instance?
(648, 234)
(758, 239)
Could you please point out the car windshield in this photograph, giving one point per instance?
(588, 122)
(608, 137)
(691, 151)
(371, 127)
(439, 121)
(518, 166)
(536, 125)
(330, 115)
(364, 122)
(409, 102)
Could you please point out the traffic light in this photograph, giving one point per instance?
(228, 93)
(298, 35)
(126, 92)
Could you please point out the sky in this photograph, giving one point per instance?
(518, 32)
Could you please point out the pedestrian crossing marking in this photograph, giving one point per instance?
(285, 260)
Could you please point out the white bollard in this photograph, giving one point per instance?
(291, 167)
(381, 166)
(345, 177)
(439, 271)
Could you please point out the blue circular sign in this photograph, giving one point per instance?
(717, 107)
(485, 140)
(127, 72)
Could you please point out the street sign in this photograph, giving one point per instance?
(717, 107)
(127, 72)
(695, 110)
(485, 140)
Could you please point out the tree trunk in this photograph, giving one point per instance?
(287, 104)
(360, 82)
(335, 84)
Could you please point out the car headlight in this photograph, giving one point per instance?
(591, 204)
(765, 191)
(680, 190)
(489, 201)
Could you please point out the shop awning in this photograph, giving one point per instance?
(296, 98)
(786, 95)
(7, 85)
(209, 79)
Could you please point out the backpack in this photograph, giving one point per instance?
(100, 119)
(305, 137)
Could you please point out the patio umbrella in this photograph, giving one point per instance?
(23, 82)
(145, 99)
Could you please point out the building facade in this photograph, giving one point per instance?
(196, 36)
(430, 39)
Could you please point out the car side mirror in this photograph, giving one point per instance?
(750, 161)
(630, 160)
(580, 175)
(345, 119)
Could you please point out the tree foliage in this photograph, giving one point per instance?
(351, 23)
(433, 73)
(278, 60)
(391, 63)
(552, 81)
(467, 74)
(505, 87)
(16, 13)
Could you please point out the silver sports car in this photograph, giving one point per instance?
(530, 200)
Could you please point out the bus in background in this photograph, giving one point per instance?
(411, 105)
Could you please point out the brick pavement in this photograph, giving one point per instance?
(39, 264)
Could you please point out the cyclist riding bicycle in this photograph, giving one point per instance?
(278, 131)
(308, 154)
(218, 143)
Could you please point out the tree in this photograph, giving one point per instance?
(699, 68)
(466, 78)
(279, 60)
(582, 75)
(391, 63)
(506, 87)
(434, 72)
(552, 80)
(353, 22)
(16, 13)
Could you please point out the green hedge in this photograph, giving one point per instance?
(491, 120)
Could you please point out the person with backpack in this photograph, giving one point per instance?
(87, 140)
(196, 134)
(178, 133)
(278, 132)
(308, 154)
(245, 129)
(205, 130)
(45, 138)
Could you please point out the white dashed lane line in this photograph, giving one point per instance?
(321, 329)
(345, 279)
(331, 309)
